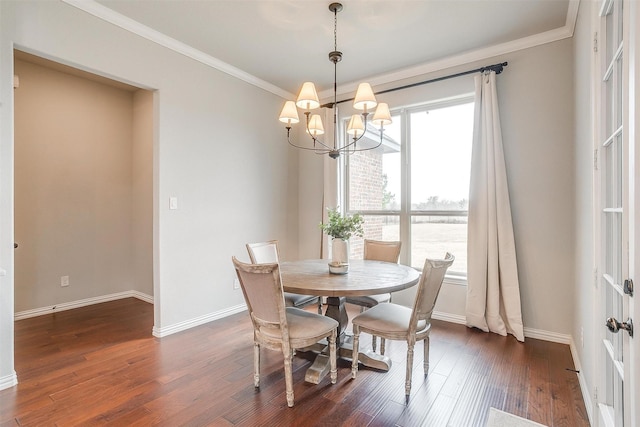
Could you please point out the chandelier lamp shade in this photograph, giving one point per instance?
(308, 101)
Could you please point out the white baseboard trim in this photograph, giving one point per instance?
(586, 394)
(447, 317)
(197, 321)
(81, 303)
(547, 336)
(8, 381)
(528, 332)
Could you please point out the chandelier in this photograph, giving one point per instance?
(308, 100)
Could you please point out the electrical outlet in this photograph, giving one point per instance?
(64, 281)
(236, 284)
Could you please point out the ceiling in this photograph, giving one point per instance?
(286, 42)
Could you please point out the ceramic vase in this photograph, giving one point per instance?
(339, 256)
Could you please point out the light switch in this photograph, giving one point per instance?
(173, 203)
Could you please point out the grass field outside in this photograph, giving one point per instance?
(428, 240)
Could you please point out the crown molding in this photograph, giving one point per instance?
(468, 57)
(572, 15)
(102, 12)
(108, 15)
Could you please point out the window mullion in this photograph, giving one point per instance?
(405, 187)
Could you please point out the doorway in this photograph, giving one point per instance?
(83, 188)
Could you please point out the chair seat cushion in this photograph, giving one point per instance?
(387, 317)
(304, 324)
(369, 300)
(297, 300)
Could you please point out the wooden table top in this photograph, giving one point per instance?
(365, 277)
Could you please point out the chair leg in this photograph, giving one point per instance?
(256, 365)
(407, 382)
(382, 344)
(374, 342)
(354, 353)
(319, 305)
(333, 356)
(426, 357)
(288, 376)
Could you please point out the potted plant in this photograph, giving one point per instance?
(341, 228)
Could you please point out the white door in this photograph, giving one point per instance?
(614, 226)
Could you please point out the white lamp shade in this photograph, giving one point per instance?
(308, 97)
(364, 100)
(315, 125)
(356, 126)
(382, 116)
(289, 113)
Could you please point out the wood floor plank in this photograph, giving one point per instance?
(100, 365)
(539, 404)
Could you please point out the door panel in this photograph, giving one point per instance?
(612, 201)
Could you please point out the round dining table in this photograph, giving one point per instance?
(364, 277)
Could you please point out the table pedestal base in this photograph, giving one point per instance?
(366, 356)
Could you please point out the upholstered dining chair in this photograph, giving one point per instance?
(377, 250)
(397, 322)
(278, 327)
(267, 252)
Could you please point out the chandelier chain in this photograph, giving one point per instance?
(335, 30)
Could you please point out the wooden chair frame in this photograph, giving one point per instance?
(377, 250)
(254, 250)
(270, 323)
(424, 303)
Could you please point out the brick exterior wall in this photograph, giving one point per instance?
(366, 193)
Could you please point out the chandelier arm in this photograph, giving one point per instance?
(347, 147)
(317, 150)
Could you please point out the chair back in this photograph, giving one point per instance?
(378, 250)
(262, 290)
(429, 288)
(263, 252)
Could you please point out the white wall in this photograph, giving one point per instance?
(218, 147)
(584, 323)
(142, 192)
(535, 93)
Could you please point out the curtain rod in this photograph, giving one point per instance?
(498, 68)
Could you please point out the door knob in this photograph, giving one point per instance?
(614, 326)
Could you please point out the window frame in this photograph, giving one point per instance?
(405, 213)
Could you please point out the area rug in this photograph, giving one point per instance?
(498, 418)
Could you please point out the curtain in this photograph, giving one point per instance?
(493, 291)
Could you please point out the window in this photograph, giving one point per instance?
(415, 186)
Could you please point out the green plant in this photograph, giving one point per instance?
(343, 227)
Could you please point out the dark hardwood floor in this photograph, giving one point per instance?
(99, 365)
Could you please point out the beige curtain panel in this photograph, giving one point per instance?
(493, 291)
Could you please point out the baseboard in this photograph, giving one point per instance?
(197, 321)
(81, 303)
(528, 332)
(451, 318)
(547, 336)
(586, 394)
(8, 381)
